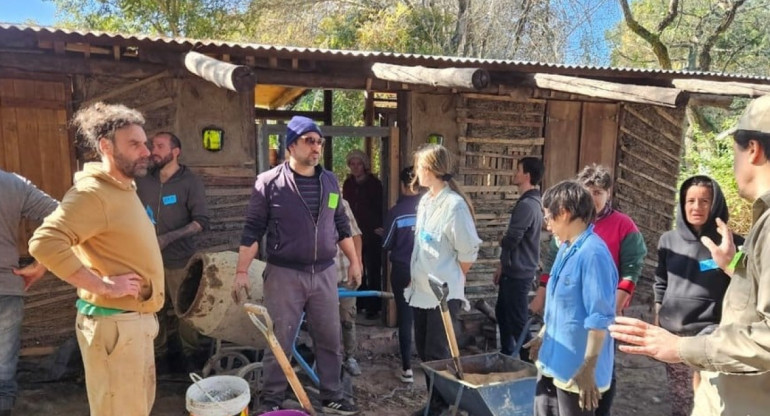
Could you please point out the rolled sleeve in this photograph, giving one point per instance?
(256, 215)
(599, 279)
(462, 230)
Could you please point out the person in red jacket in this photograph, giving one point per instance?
(626, 245)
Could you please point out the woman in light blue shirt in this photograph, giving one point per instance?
(445, 246)
(573, 352)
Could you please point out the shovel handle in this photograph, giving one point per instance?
(260, 311)
(256, 312)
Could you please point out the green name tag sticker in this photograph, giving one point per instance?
(736, 259)
(334, 200)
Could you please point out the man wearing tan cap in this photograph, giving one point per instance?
(734, 360)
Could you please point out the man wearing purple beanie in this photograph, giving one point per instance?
(297, 206)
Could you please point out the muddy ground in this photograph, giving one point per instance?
(378, 391)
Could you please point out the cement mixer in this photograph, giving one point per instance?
(204, 298)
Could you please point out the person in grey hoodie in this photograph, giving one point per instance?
(689, 286)
(21, 199)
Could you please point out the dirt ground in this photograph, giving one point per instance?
(378, 391)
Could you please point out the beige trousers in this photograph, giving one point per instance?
(119, 362)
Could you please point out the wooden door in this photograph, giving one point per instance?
(34, 141)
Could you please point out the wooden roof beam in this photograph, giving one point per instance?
(470, 78)
(721, 88)
(667, 97)
(237, 78)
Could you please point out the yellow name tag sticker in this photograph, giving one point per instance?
(334, 200)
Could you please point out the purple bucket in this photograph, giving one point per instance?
(285, 413)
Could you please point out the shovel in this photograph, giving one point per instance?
(441, 290)
(257, 311)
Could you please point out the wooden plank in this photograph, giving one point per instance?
(610, 90)
(163, 102)
(512, 142)
(508, 123)
(647, 177)
(464, 111)
(668, 117)
(485, 171)
(651, 163)
(632, 202)
(598, 134)
(722, 88)
(126, 88)
(657, 149)
(491, 155)
(562, 141)
(648, 194)
(482, 188)
(19, 102)
(507, 98)
(653, 125)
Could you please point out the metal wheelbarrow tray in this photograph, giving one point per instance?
(513, 397)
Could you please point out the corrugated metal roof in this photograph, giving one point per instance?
(393, 57)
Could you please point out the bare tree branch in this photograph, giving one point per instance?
(658, 48)
(673, 10)
(704, 58)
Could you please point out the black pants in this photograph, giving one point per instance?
(431, 342)
(400, 277)
(372, 279)
(553, 401)
(512, 311)
(605, 402)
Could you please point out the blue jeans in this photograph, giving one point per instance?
(11, 315)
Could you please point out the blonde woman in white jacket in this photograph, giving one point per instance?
(445, 246)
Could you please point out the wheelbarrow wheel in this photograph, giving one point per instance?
(225, 363)
(252, 373)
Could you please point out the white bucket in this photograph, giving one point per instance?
(230, 393)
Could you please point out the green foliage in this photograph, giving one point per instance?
(190, 18)
(742, 48)
(400, 28)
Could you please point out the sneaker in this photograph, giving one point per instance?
(407, 376)
(339, 407)
(351, 366)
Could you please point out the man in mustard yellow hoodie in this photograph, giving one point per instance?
(101, 241)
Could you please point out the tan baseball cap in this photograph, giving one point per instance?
(756, 117)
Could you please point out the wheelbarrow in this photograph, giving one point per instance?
(512, 397)
(510, 394)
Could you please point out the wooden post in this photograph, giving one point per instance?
(328, 121)
(471, 78)
(721, 88)
(394, 169)
(610, 90)
(237, 78)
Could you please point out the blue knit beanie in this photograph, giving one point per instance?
(298, 126)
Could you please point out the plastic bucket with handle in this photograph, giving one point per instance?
(218, 396)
